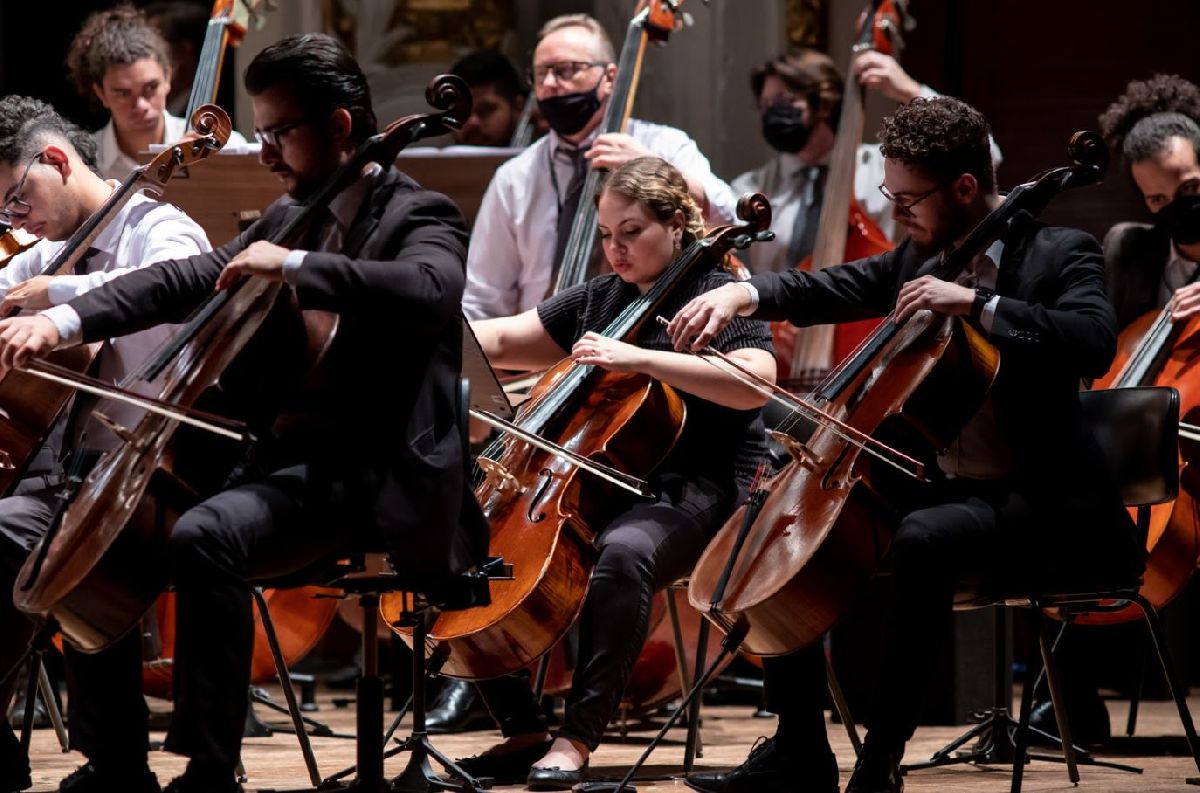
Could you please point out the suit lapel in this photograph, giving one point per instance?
(368, 216)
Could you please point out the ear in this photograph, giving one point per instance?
(519, 102)
(678, 224)
(610, 74)
(966, 188)
(58, 159)
(340, 125)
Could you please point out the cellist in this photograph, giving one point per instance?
(1155, 127)
(526, 213)
(646, 219)
(49, 188)
(333, 472)
(1022, 488)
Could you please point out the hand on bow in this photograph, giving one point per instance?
(940, 297)
(24, 338)
(614, 149)
(33, 294)
(610, 354)
(1185, 303)
(260, 259)
(697, 323)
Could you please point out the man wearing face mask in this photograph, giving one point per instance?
(799, 95)
(525, 218)
(1154, 127)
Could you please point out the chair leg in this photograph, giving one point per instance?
(56, 719)
(1056, 697)
(695, 744)
(840, 704)
(289, 693)
(692, 749)
(1139, 685)
(1173, 684)
(1021, 739)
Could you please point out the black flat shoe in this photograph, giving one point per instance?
(458, 708)
(88, 779)
(1089, 722)
(877, 771)
(14, 766)
(509, 768)
(770, 770)
(555, 778)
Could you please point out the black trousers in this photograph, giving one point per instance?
(282, 523)
(647, 547)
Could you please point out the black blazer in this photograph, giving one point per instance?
(381, 409)
(1135, 258)
(1053, 326)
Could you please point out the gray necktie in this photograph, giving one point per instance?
(569, 203)
(808, 216)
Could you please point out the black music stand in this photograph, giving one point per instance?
(486, 392)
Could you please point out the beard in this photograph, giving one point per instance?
(953, 225)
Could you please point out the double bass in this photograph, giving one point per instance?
(12, 242)
(845, 232)
(96, 572)
(785, 566)
(540, 492)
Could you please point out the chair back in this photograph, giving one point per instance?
(1137, 430)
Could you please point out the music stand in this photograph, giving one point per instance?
(486, 392)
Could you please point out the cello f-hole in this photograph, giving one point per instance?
(547, 476)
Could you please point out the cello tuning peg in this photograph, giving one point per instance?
(688, 19)
(764, 236)
(742, 241)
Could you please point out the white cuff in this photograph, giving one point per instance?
(68, 322)
(65, 288)
(291, 265)
(753, 290)
(988, 315)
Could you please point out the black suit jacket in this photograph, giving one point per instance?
(381, 409)
(1053, 326)
(1135, 258)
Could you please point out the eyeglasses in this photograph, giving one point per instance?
(904, 203)
(563, 71)
(272, 136)
(16, 207)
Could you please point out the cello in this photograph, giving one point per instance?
(96, 572)
(805, 355)
(654, 20)
(31, 406)
(543, 504)
(12, 242)
(784, 567)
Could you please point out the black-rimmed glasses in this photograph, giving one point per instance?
(274, 135)
(16, 207)
(563, 71)
(904, 202)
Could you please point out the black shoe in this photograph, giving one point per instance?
(186, 784)
(877, 771)
(1089, 722)
(14, 765)
(89, 779)
(555, 778)
(508, 768)
(770, 770)
(16, 713)
(458, 708)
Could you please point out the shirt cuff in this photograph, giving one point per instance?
(988, 315)
(68, 323)
(753, 290)
(926, 92)
(291, 265)
(65, 288)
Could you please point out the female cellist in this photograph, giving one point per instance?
(646, 218)
(1022, 489)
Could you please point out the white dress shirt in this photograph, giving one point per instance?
(1179, 271)
(511, 256)
(116, 164)
(143, 232)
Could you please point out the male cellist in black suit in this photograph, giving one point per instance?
(1022, 489)
(368, 452)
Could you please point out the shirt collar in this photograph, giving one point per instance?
(344, 207)
(107, 239)
(109, 151)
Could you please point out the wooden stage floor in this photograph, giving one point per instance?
(275, 762)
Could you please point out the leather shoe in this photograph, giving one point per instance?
(89, 779)
(458, 708)
(555, 778)
(181, 784)
(1089, 722)
(877, 771)
(16, 712)
(507, 768)
(768, 769)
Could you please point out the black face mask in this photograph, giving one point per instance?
(784, 129)
(1181, 218)
(569, 113)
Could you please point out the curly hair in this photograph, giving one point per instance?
(116, 37)
(1150, 112)
(27, 125)
(943, 136)
(661, 188)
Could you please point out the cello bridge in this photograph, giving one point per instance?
(499, 476)
(798, 451)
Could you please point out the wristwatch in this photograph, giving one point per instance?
(982, 296)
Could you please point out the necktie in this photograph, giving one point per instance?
(808, 216)
(85, 261)
(567, 206)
